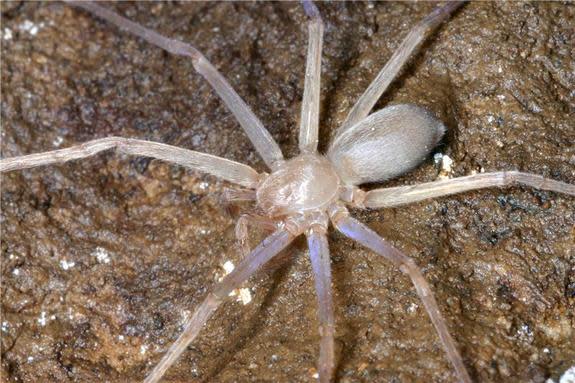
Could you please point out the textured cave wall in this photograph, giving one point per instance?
(103, 259)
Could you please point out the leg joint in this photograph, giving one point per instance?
(295, 225)
(317, 222)
(337, 212)
(353, 196)
(408, 265)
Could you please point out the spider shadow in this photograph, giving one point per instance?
(278, 271)
(347, 332)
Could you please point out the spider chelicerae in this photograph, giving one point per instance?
(301, 195)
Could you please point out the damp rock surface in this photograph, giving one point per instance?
(104, 259)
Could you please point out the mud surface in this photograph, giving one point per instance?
(104, 259)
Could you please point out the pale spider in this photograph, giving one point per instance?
(366, 149)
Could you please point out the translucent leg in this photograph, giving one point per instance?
(260, 137)
(220, 167)
(309, 124)
(400, 195)
(319, 254)
(399, 58)
(367, 237)
(246, 268)
(238, 195)
(242, 234)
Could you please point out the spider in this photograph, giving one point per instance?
(306, 213)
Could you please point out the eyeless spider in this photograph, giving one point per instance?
(300, 195)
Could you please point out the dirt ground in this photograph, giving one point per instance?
(104, 259)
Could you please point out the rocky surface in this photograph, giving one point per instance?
(104, 259)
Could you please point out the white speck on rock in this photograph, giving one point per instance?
(42, 320)
(16, 271)
(446, 163)
(5, 326)
(7, 34)
(64, 264)
(245, 296)
(412, 307)
(228, 267)
(143, 349)
(30, 27)
(101, 254)
(30, 359)
(437, 158)
(58, 141)
(525, 332)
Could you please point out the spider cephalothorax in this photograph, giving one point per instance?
(305, 183)
(302, 195)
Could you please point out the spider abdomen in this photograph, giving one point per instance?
(386, 144)
(307, 182)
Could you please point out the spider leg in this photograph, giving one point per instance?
(220, 167)
(230, 195)
(246, 220)
(267, 249)
(357, 231)
(257, 133)
(388, 197)
(319, 255)
(309, 124)
(399, 58)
